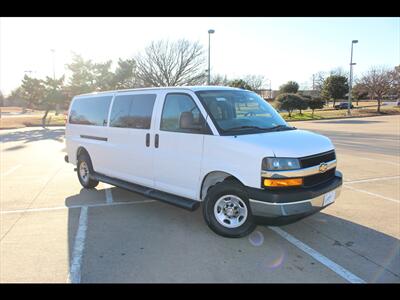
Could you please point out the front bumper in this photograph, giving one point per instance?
(280, 207)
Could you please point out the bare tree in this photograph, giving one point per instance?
(318, 81)
(395, 74)
(165, 63)
(256, 82)
(219, 79)
(378, 82)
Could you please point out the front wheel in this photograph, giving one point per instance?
(226, 210)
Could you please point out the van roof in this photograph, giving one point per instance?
(191, 88)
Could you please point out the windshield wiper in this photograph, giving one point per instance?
(245, 127)
(281, 127)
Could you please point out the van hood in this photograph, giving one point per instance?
(291, 143)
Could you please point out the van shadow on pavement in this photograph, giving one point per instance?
(157, 242)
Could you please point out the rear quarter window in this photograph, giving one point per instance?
(90, 111)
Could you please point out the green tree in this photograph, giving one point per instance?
(315, 103)
(104, 78)
(291, 87)
(83, 78)
(1, 99)
(125, 74)
(16, 95)
(53, 95)
(239, 83)
(32, 90)
(289, 102)
(302, 103)
(335, 87)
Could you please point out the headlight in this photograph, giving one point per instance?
(278, 164)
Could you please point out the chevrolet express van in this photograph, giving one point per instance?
(224, 148)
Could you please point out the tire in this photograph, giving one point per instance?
(84, 169)
(226, 210)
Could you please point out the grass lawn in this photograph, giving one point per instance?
(8, 122)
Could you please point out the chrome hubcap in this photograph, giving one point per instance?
(230, 211)
(84, 171)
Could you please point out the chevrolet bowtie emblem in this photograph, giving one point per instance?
(323, 167)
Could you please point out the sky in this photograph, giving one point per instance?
(280, 49)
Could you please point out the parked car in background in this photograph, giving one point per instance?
(223, 147)
(343, 105)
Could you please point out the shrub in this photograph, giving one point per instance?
(289, 102)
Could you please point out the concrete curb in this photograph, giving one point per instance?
(339, 118)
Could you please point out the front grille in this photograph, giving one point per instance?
(315, 160)
(316, 179)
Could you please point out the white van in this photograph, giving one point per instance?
(226, 148)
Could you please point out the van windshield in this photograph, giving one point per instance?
(241, 111)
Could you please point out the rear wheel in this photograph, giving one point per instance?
(84, 170)
(226, 210)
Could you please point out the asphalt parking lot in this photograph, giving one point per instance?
(54, 231)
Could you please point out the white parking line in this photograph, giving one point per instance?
(11, 170)
(18, 211)
(342, 272)
(79, 247)
(372, 194)
(380, 160)
(372, 179)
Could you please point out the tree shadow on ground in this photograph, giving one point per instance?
(29, 136)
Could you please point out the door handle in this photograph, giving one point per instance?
(156, 141)
(147, 139)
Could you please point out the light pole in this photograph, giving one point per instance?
(211, 31)
(351, 76)
(270, 89)
(54, 64)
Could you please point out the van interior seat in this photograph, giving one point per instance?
(186, 120)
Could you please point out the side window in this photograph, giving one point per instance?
(180, 114)
(90, 111)
(132, 111)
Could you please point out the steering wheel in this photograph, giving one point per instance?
(250, 113)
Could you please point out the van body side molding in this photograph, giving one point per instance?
(178, 201)
(92, 137)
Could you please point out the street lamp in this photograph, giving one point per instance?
(270, 89)
(351, 77)
(211, 31)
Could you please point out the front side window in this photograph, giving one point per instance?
(90, 111)
(180, 114)
(132, 111)
(235, 112)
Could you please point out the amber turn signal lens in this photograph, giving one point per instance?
(283, 182)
